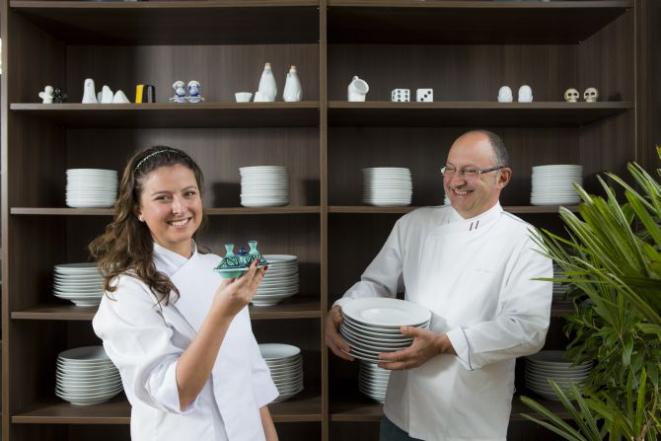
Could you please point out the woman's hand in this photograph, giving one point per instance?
(234, 294)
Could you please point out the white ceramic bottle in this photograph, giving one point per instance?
(267, 89)
(292, 92)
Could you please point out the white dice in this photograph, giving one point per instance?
(400, 95)
(424, 95)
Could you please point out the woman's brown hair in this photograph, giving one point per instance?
(127, 245)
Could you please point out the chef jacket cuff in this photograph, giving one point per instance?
(460, 344)
(162, 388)
(342, 301)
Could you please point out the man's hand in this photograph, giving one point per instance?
(333, 338)
(425, 345)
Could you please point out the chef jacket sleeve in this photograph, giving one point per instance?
(383, 277)
(139, 343)
(522, 321)
(262, 383)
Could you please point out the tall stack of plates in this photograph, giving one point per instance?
(80, 283)
(387, 186)
(90, 187)
(553, 365)
(86, 376)
(264, 186)
(286, 366)
(373, 381)
(279, 282)
(371, 325)
(560, 289)
(554, 184)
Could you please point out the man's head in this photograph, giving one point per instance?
(475, 172)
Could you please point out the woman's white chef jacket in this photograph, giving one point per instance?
(475, 276)
(145, 341)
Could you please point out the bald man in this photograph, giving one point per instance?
(472, 265)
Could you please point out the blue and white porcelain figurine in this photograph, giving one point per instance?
(179, 92)
(194, 92)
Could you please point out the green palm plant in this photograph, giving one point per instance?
(612, 258)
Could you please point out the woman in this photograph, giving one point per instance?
(180, 337)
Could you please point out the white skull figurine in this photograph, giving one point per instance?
(571, 95)
(505, 95)
(591, 95)
(525, 94)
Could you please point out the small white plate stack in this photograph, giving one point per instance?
(86, 376)
(545, 365)
(80, 283)
(279, 282)
(371, 325)
(554, 184)
(560, 289)
(373, 381)
(90, 187)
(264, 186)
(387, 186)
(286, 366)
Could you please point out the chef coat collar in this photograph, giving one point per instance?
(476, 222)
(168, 261)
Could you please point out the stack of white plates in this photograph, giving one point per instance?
(264, 186)
(279, 282)
(286, 366)
(554, 184)
(371, 325)
(560, 289)
(373, 381)
(86, 376)
(387, 186)
(81, 283)
(553, 365)
(90, 187)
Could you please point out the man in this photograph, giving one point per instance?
(471, 264)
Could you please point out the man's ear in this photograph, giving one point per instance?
(504, 177)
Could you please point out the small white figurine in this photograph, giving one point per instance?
(292, 92)
(106, 95)
(179, 92)
(525, 94)
(194, 92)
(357, 90)
(505, 95)
(120, 98)
(571, 95)
(424, 95)
(89, 92)
(400, 95)
(47, 95)
(591, 95)
(267, 89)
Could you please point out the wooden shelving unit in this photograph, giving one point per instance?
(464, 50)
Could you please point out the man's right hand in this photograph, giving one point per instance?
(333, 338)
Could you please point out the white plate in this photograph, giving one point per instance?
(277, 351)
(553, 359)
(378, 311)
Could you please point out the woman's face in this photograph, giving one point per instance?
(171, 206)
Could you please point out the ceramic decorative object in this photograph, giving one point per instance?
(106, 95)
(194, 88)
(47, 95)
(243, 97)
(357, 90)
(424, 95)
(505, 95)
(572, 95)
(400, 95)
(591, 95)
(267, 90)
(525, 94)
(89, 92)
(59, 96)
(120, 98)
(293, 92)
(235, 265)
(179, 92)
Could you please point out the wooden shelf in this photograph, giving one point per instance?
(520, 209)
(303, 407)
(472, 22)
(295, 308)
(469, 114)
(172, 115)
(561, 309)
(176, 22)
(238, 211)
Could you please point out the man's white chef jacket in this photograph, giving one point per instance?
(145, 341)
(475, 276)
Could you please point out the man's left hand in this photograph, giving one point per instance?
(425, 345)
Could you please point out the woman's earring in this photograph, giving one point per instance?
(140, 218)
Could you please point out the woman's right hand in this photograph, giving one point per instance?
(234, 294)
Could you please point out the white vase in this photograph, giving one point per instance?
(267, 87)
(292, 92)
